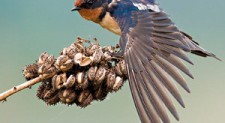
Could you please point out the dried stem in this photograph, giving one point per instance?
(18, 88)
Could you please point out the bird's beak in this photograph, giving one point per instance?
(75, 8)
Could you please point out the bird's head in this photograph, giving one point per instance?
(87, 4)
(90, 9)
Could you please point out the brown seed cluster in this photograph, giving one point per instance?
(83, 72)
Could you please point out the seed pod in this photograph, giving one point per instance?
(100, 75)
(53, 100)
(67, 65)
(110, 49)
(46, 65)
(48, 95)
(85, 62)
(64, 51)
(97, 56)
(56, 82)
(67, 96)
(42, 58)
(41, 90)
(70, 81)
(100, 93)
(63, 77)
(123, 67)
(70, 52)
(83, 85)
(79, 46)
(80, 77)
(118, 70)
(61, 60)
(43, 68)
(103, 76)
(92, 72)
(118, 83)
(111, 79)
(49, 73)
(30, 71)
(92, 48)
(107, 56)
(78, 58)
(50, 60)
(85, 98)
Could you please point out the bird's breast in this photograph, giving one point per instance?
(110, 24)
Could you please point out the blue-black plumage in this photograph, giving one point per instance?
(152, 47)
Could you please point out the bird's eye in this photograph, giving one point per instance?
(90, 1)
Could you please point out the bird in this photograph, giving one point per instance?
(153, 48)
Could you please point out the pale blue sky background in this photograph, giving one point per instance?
(30, 27)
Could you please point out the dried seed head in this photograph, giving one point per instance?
(111, 79)
(58, 81)
(107, 56)
(53, 100)
(43, 68)
(83, 85)
(70, 81)
(64, 63)
(46, 65)
(41, 89)
(100, 75)
(64, 51)
(79, 46)
(42, 58)
(47, 95)
(78, 58)
(67, 96)
(110, 49)
(63, 77)
(50, 60)
(48, 73)
(92, 48)
(118, 70)
(30, 71)
(67, 65)
(70, 52)
(92, 72)
(80, 77)
(97, 56)
(85, 98)
(61, 60)
(100, 93)
(123, 67)
(118, 83)
(85, 62)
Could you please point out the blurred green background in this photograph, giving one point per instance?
(30, 27)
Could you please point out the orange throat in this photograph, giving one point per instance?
(107, 21)
(91, 14)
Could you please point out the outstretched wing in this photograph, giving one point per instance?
(153, 48)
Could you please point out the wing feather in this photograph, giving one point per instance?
(153, 49)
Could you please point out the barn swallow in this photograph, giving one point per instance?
(153, 49)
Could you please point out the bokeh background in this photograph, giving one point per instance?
(30, 27)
